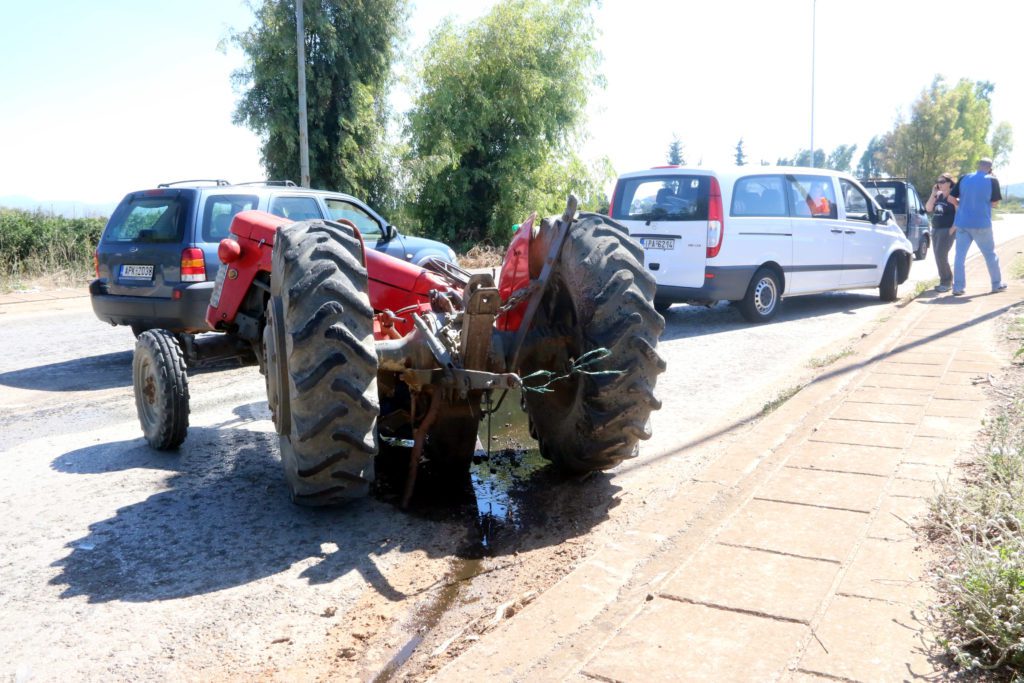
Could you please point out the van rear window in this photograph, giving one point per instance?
(662, 198)
(148, 219)
(219, 211)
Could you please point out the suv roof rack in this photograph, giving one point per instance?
(279, 183)
(219, 182)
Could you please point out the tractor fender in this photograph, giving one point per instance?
(515, 272)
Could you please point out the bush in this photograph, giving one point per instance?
(34, 243)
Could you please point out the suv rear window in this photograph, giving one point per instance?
(219, 211)
(889, 195)
(671, 197)
(148, 219)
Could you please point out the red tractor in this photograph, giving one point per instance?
(358, 347)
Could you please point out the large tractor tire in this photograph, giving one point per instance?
(599, 296)
(321, 363)
(161, 389)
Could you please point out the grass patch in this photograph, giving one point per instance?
(823, 361)
(1017, 268)
(919, 289)
(980, 578)
(482, 256)
(780, 398)
(42, 247)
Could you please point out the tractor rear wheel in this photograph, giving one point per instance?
(321, 363)
(599, 296)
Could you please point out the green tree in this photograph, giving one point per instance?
(493, 131)
(840, 158)
(948, 130)
(872, 161)
(741, 158)
(675, 152)
(349, 49)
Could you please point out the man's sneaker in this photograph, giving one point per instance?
(1000, 287)
(958, 292)
(942, 288)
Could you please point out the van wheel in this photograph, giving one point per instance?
(922, 249)
(762, 299)
(662, 306)
(887, 288)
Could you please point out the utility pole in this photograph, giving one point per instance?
(300, 40)
(814, 31)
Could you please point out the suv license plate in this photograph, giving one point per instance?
(136, 272)
(219, 287)
(663, 244)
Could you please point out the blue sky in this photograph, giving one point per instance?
(105, 97)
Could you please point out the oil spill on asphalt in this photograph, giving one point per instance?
(494, 501)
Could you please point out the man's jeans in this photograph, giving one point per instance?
(983, 238)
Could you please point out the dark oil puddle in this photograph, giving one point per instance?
(493, 502)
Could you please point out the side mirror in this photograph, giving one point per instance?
(390, 232)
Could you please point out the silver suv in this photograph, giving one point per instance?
(156, 262)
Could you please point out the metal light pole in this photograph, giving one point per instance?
(814, 30)
(300, 40)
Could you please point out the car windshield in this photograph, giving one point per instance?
(148, 219)
(662, 198)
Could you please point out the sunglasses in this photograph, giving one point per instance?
(941, 181)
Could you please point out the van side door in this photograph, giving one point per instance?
(864, 248)
(817, 235)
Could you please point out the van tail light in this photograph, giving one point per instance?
(193, 265)
(716, 228)
(96, 261)
(611, 202)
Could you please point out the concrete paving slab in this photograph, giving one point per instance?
(879, 412)
(888, 381)
(897, 397)
(948, 427)
(845, 458)
(917, 357)
(969, 379)
(914, 488)
(886, 570)
(754, 581)
(920, 472)
(870, 640)
(962, 393)
(927, 450)
(863, 433)
(842, 490)
(897, 518)
(801, 530)
(941, 407)
(910, 369)
(664, 643)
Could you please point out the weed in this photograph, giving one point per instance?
(823, 361)
(35, 244)
(780, 398)
(481, 256)
(981, 583)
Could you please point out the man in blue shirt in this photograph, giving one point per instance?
(978, 193)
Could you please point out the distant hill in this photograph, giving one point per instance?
(1015, 190)
(63, 207)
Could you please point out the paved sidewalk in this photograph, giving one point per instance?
(793, 557)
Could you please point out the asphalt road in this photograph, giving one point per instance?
(118, 562)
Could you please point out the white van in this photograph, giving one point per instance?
(753, 234)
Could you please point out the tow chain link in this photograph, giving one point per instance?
(578, 367)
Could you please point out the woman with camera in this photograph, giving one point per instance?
(942, 206)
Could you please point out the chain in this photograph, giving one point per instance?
(516, 298)
(578, 367)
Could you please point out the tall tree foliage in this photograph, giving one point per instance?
(948, 130)
(349, 49)
(675, 152)
(494, 130)
(872, 161)
(741, 158)
(839, 159)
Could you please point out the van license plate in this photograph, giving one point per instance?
(136, 272)
(663, 244)
(218, 288)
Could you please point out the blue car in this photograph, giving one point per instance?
(156, 262)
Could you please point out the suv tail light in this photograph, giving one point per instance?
(193, 265)
(96, 261)
(716, 228)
